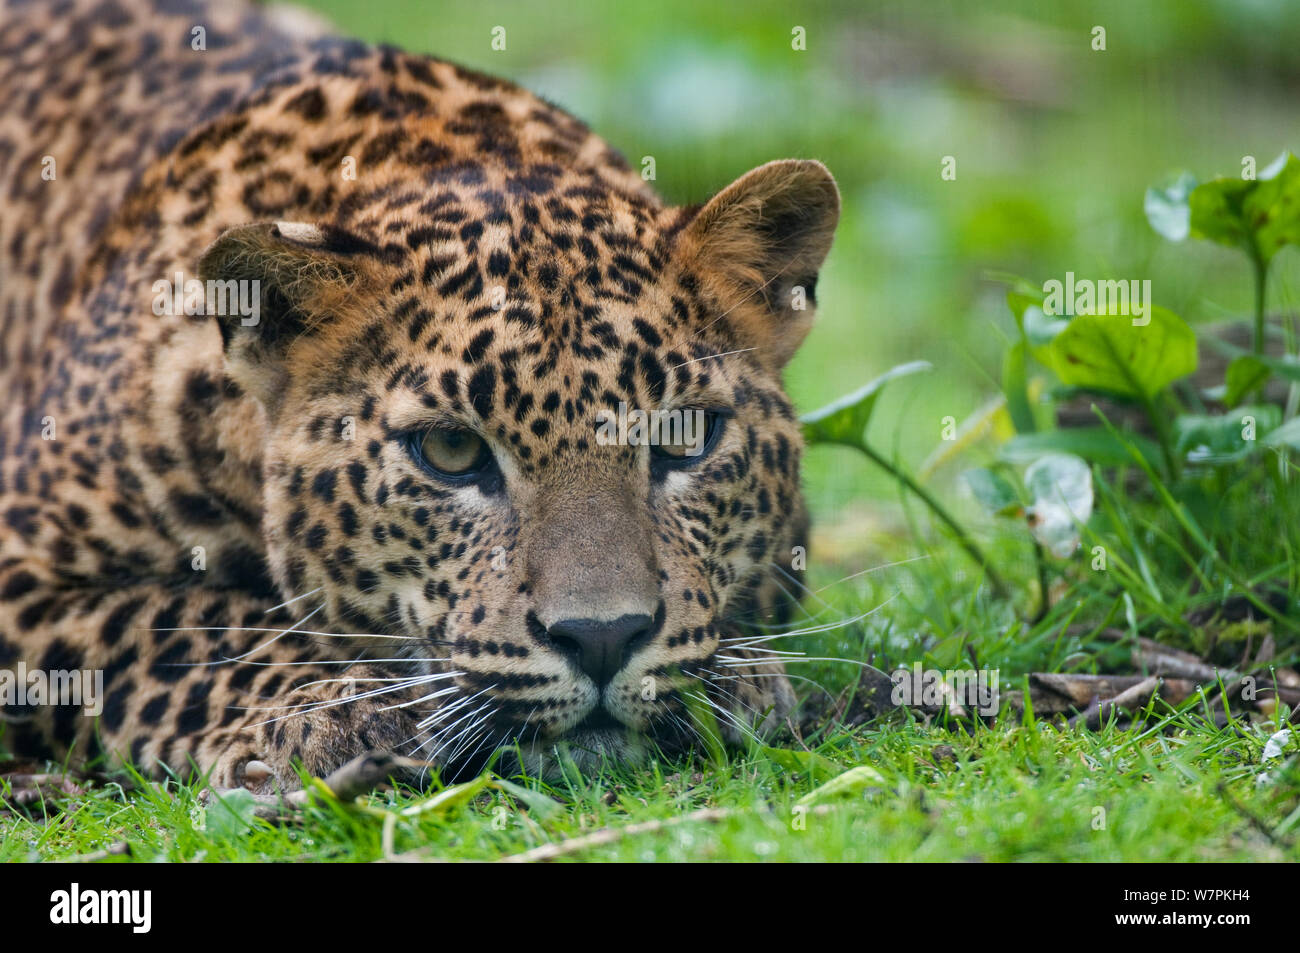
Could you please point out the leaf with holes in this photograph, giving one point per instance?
(1107, 352)
(1259, 215)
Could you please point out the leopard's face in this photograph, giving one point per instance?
(541, 447)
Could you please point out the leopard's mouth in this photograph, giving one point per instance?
(589, 750)
(598, 742)
(599, 719)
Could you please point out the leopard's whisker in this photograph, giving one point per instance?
(291, 631)
(798, 583)
(900, 562)
(257, 648)
(733, 696)
(806, 658)
(313, 663)
(440, 715)
(423, 698)
(802, 678)
(710, 357)
(769, 653)
(293, 600)
(486, 740)
(475, 721)
(397, 683)
(405, 679)
(728, 717)
(745, 641)
(304, 708)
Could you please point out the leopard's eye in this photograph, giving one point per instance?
(451, 453)
(684, 438)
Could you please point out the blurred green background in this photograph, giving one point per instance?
(1054, 144)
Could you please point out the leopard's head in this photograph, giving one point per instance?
(532, 427)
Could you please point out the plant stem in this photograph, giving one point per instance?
(1261, 276)
(1164, 437)
(1044, 602)
(995, 580)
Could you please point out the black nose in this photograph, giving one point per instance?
(600, 648)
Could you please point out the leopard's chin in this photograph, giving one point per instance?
(586, 750)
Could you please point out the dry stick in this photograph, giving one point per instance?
(1167, 660)
(611, 835)
(120, 849)
(1127, 700)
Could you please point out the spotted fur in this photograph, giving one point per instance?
(228, 520)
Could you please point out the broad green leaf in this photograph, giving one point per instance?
(1217, 211)
(852, 782)
(803, 762)
(1224, 438)
(231, 813)
(993, 491)
(845, 420)
(1260, 216)
(1107, 352)
(1244, 376)
(1095, 444)
(1060, 485)
(1272, 208)
(1167, 209)
(537, 802)
(449, 798)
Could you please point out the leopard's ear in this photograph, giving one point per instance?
(759, 244)
(269, 285)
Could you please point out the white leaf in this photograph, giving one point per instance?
(1061, 487)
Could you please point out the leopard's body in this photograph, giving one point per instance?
(178, 491)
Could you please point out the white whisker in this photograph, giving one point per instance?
(293, 600)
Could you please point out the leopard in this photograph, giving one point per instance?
(307, 346)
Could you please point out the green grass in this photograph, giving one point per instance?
(1054, 146)
(1174, 789)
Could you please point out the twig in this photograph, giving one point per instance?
(611, 835)
(120, 849)
(1127, 700)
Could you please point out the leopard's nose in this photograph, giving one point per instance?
(600, 648)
